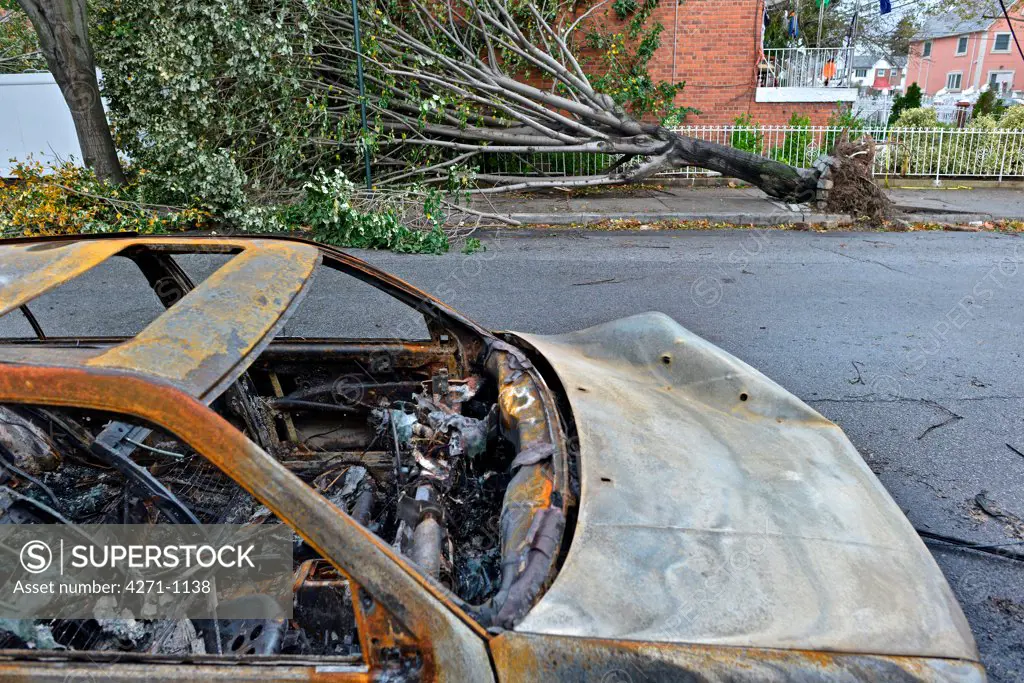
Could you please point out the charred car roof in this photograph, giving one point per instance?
(201, 343)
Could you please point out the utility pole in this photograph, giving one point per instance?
(362, 91)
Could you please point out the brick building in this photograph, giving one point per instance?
(715, 47)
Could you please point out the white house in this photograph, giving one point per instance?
(874, 72)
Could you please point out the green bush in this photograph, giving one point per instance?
(747, 136)
(327, 210)
(205, 95)
(918, 117)
(989, 105)
(1013, 118)
(909, 100)
(796, 148)
(1012, 148)
(981, 148)
(844, 119)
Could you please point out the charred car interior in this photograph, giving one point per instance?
(450, 450)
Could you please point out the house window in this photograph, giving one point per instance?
(961, 46)
(1000, 82)
(1001, 43)
(954, 80)
(926, 51)
(860, 73)
(880, 73)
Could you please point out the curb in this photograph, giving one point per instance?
(767, 219)
(780, 218)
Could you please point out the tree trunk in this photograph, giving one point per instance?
(669, 151)
(64, 40)
(781, 181)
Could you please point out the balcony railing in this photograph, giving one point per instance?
(806, 67)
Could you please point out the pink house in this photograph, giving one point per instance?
(956, 54)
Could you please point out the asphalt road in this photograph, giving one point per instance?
(910, 342)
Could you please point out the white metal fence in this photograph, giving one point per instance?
(902, 152)
(874, 111)
(805, 67)
(952, 113)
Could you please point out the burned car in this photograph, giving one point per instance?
(624, 503)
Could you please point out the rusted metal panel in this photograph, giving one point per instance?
(28, 270)
(454, 644)
(526, 657)
(48, 355)
(202, 342)
(533, 510)
(717, 508)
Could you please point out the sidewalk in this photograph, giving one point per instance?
(743, 205)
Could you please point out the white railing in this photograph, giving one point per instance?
(902, 152)
(874, 111)
(805, 67)
(952, 113)
(953, 153)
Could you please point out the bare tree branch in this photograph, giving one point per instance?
(448, 87)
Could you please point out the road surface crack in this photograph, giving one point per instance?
(864, 260)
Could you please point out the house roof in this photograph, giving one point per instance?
(869, 61)
(953, 24)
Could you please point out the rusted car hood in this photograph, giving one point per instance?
(719, 509)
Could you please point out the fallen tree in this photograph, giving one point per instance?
(445, 86)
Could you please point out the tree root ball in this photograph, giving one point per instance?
(853, 190)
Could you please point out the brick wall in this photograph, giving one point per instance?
(716, 49)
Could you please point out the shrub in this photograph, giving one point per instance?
(1013, 118)
(747, 136)
(989, 105)
(845, 119)
(918, 117)
(68, 199)
(796, 148)
(909, 100)
(1012, 152)
(326, 210)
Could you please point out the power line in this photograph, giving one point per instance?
(1009, 23)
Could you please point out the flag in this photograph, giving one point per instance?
(885, 6)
